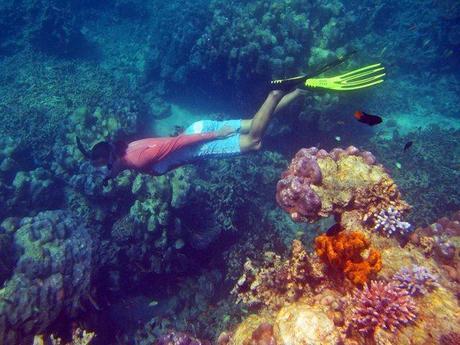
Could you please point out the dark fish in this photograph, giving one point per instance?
(408, 145)
(368, 119)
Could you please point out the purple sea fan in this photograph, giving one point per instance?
(417, 280)
(381, 305)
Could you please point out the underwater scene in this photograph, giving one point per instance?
(229, 172)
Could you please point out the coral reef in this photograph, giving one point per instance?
(343, 253)
(381, 305)
(79, 337)
(51, 275)
(417, 280)
(318, 184)
(429, 174)
(278, 281)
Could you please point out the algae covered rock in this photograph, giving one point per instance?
(51, 274)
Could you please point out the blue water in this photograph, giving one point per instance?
(130, 69)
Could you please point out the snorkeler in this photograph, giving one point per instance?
(207, 138)
(201, 140)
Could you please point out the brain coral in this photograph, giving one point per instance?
(318, 184)
(51, 273)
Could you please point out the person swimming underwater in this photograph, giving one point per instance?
(201, 140)
(207, 138)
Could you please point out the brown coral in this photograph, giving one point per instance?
(370, 200)
(343, 252)
(277, 281)
(263, 335)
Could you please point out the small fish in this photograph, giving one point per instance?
(368, 119)
(408, 145)
(337, 138)
(398, 165)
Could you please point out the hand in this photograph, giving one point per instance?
(225, 132)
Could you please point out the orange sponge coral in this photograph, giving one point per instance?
(343, 252)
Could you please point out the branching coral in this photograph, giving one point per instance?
(417, 280)
(381, 305)
(343, 252)
(318, 184)
(277, 281)
(388, 222)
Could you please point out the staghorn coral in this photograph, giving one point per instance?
(277, 281)
(318, 184)
(343, 252)
(417, 280)
(388, 222)
(381, 305)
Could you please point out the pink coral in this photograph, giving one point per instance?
(293, 191)
(381, 305)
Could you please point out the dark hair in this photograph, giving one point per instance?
(101, 150)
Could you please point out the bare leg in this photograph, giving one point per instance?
(286, 100)
(252, 130)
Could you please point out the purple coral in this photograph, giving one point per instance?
(381, 305)
(179, 338)
(293, 191)
(417, 280)
(388, 222)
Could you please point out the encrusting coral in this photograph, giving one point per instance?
(343, 252)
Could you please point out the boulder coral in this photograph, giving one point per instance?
(51, 274)
(343, 252)
(319, 184)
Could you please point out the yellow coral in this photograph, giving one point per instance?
(341, 180)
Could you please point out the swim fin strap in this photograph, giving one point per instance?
(357, 79)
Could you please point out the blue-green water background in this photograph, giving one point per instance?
(129, 69)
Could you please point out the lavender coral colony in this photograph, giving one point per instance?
(388, 222)
(417, 280)
(381, 305)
